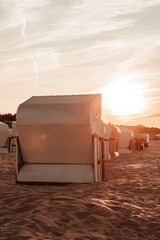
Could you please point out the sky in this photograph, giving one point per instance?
(50, 47)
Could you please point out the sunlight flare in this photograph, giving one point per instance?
(124, 98)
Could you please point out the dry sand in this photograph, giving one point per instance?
(125, 206)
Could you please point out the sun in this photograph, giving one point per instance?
(124, 98)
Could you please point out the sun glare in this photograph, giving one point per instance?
(124, 99)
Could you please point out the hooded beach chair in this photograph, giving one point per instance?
(114, 141)
(125, 140)
(59, 138)
(4, 133)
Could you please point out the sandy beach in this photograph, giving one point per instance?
(123, 207)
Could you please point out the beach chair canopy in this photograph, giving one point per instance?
(59, 129)
(114, 140)
(4, 132)
(125, 138)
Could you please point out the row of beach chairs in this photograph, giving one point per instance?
(63, 139)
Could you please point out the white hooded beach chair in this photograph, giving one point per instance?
(4, 132)
(125, 140)
(114, 141)
(59, 139)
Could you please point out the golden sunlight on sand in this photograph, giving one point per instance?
(124, 206)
